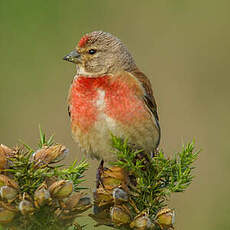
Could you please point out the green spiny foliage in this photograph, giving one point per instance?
(32, 170)
(43, 141)
(157, 177)
(30, 177)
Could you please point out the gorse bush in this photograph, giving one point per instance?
(134, 192)
(38, 192)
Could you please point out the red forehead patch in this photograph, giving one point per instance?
(83, 41)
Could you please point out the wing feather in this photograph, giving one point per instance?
(148, 96)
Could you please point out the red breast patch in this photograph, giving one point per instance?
(120, 99)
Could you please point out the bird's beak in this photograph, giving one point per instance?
(73, 56)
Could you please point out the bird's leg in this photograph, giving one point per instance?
(154, 152)
(100, 170)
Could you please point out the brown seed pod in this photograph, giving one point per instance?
(103, 197)
(119, 216)
(142, 222)
(165, 218)
(110, 182)
(41, 196)
(76, 204)
(8, 193)
(114, 177)
(26, 207)
(5, 180)
(49, 154)
(4, 150)
(119, 195)
(116, 172)
(72, 201)
(61, 189)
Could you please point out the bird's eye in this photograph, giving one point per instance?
(92, 51)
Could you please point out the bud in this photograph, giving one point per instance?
(165, 218)
(5, 180)
(76, 203)
(116, 172)
(103, 197)
(5, 150)
(49, 154)
(6, 216)
(26, 207)
(3, 156)
(110, 182)
(41, 197)
(8, 193)
(119, 195)
(61, 189)
(119, 216)
(72, 201)
(142, 222)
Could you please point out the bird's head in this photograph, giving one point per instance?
(100, 53)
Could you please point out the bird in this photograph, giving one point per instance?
(109, 95)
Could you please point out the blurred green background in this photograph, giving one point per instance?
(183, 46)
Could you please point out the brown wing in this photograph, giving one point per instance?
(148, 97)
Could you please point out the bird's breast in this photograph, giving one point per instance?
(104, 99)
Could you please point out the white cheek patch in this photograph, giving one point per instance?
(100, 103)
